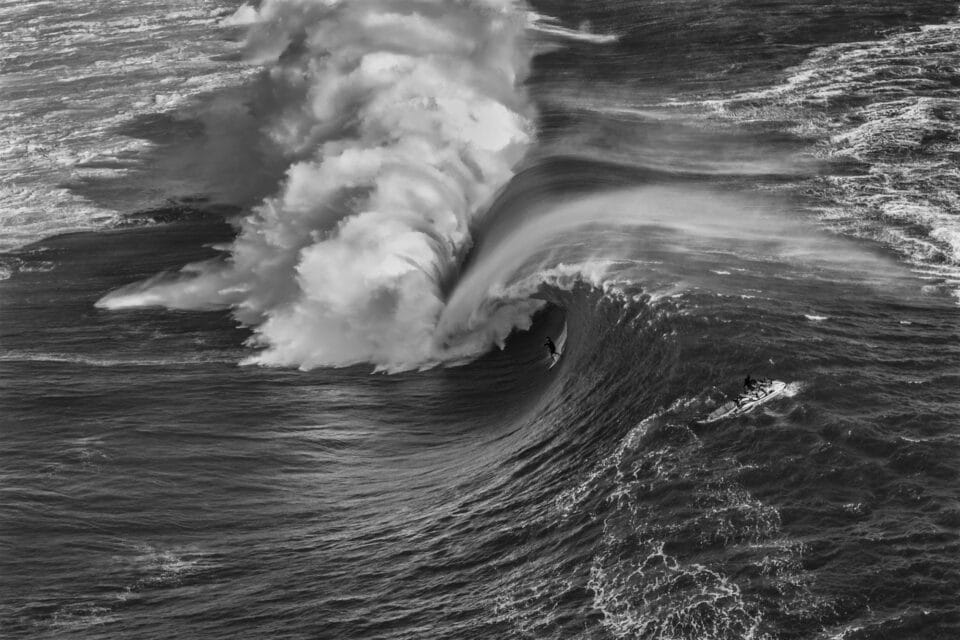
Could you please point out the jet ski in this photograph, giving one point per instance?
(763, 391)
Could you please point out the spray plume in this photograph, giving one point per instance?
(401, 119)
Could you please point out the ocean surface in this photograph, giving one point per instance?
(276, 280)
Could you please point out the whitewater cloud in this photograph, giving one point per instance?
(401, 119)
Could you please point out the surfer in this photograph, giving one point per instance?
(552, 348)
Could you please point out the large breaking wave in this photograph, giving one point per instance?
(401, 119)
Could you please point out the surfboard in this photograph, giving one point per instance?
(747, 402)
(559, 343)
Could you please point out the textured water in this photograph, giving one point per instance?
(696, 191)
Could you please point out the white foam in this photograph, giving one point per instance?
(548, 25)
(651, 593)
(69, 87)
(410, 120)
(901, 124)
(244, 16)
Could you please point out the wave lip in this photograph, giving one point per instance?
(401, 119)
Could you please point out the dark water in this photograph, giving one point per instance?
(152, 488)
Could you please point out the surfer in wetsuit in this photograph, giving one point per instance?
(749, 383)
(550, 347)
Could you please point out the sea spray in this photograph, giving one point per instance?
(401, 120)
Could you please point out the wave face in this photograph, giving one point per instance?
(401, 119)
